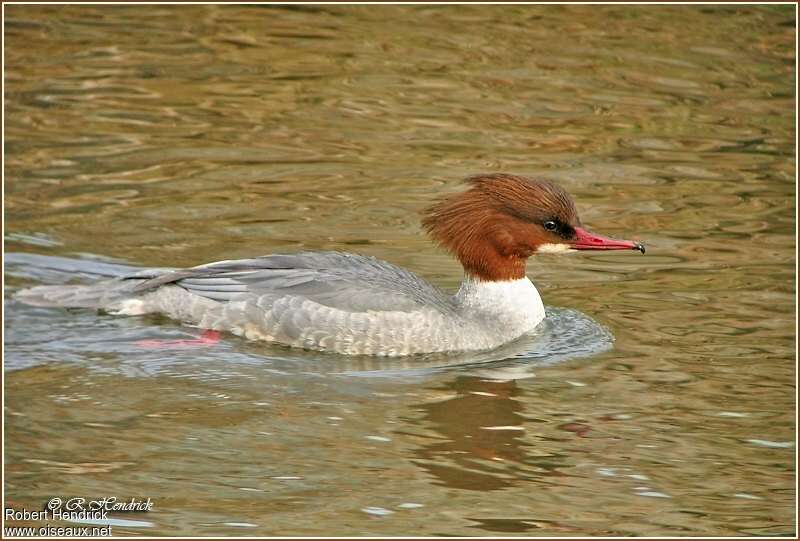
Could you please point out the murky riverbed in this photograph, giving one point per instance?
(173, 136)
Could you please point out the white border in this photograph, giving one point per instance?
(246, 2)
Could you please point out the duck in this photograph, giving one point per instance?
(353, 304)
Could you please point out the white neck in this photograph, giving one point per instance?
(515, 303)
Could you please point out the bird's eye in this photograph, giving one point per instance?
(550, 225)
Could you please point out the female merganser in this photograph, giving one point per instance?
(354, 304)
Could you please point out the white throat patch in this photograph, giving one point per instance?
(554, 248)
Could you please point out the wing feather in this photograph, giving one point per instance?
(348, 282)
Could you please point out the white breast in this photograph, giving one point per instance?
(513, 305)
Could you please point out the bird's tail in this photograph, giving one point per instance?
(98, 295)
(117, 281)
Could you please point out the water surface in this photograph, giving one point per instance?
(177, 135)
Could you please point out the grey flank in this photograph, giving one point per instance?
(328, 301)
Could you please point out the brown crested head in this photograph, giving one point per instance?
(500, 221)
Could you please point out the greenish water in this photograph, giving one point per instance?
(177, 135)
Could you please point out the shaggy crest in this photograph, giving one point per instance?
(494, 226)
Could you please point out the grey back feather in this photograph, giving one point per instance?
(349, 282)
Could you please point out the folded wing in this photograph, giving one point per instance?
(348, 282)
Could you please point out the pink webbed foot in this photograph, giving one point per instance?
(207, 338)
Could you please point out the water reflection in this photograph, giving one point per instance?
(481, 427)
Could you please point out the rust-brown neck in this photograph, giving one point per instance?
(487, 264)
(490, 244)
